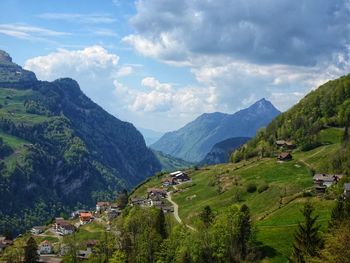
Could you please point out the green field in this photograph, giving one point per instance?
(90, 231)
(276, 210)
(13, 141)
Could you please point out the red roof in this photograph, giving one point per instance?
(85, 214)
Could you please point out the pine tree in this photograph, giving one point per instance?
(307, 238)
(160, 224)
(31, 251)
(207, 216)
(245, 231)
(338, 213)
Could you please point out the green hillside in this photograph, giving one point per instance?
(170, 163)
(275, 192)
(59, 150)
(307, 123)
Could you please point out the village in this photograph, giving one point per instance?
(102, 215)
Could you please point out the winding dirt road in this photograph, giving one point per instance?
(176, 211)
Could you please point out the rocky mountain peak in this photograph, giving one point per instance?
(11, 72)
(5, 57)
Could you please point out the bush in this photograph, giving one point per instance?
(263, 188)
(251, 188)
(307, 194)
(237, 195)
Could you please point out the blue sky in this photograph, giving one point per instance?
(161, 63)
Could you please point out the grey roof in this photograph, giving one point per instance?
(347, 186)
(327, 177)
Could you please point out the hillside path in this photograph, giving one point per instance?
(176, 211)
(176, 208)
(314, 154)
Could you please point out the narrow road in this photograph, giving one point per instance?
(176, 211)
(176, 208)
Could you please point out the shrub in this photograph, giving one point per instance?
(237, 195)
(251, 188)
(263, 188)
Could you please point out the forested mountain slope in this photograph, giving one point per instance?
(59, 149)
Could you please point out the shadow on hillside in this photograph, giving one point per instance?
(267, 251)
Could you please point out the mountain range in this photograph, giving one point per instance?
(58, 149)
(193, 141)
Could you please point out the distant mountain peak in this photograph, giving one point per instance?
(5, 57)
(263, 104)
(193, 141)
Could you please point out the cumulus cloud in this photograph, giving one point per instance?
(93, 67)
(164, 97)
(100, 74)
(259, 31)
(247, 49)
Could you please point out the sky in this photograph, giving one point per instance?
(161, 63)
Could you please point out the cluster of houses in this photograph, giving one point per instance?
(323, 181)
(155, 197)
(175, 178)
(283, 144)
(110, 209)
(286, 146)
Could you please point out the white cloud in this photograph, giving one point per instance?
(80, 18)
(24, 31)
(100, 76)
(93, 67)
(247, 49)
(165, 98)
(125, 71)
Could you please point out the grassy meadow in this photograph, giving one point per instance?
(274, 191)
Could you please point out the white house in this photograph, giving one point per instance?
(45, 247)
(36, 230)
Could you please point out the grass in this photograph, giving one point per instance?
(281, 225)
(331, 135)
(12, 141)
(275, 211)
(90, 231)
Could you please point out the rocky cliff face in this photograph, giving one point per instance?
(60, 149)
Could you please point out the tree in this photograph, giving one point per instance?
(244, 231)
(337, 246)
(160, 224)
(118, 257)
(122, 199)
(308, 241)
(338, 213)
(31, 251)
(207, 216)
